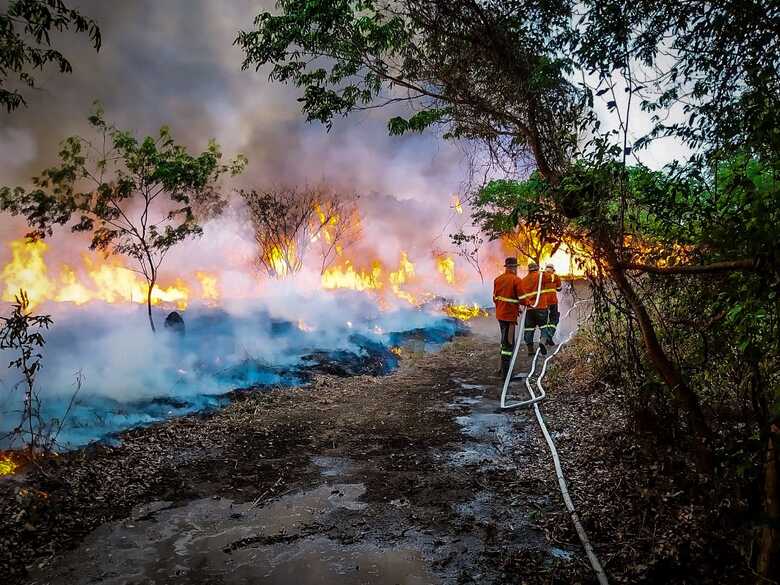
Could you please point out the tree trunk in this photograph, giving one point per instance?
(149, 305)
(671, 376)
(30, 416)
(768, 562)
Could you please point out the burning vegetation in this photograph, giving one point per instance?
(8, 464)
(96, 278)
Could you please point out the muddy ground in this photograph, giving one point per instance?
(411, 478)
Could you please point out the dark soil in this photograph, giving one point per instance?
(417, 461)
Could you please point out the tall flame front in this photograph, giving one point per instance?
(96, 279)
(108, 279)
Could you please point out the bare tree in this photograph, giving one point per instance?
(532, 243)
(342, 227)
(468, 248)
(288, 220)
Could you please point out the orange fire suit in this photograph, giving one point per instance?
(544, 312)
(508, 293)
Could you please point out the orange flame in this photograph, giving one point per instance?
(347, 276)
(456, 205)
(568, 261)
(401, 276)
(7, 464)
(446, 266)
(464, 312)
(208, 284)
(106, 280)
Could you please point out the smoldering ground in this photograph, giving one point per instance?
(126, 375)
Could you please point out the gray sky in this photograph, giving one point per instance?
(173, 62)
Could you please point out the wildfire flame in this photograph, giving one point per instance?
(565, 262)
(446, 266)
(346, 276)
(208, 284)
(95, 278)
(107, 280)
(401, 276)
(456, 205)
(277, 260)
(569, 262)
(464, 312)
(7, 465)
(657, 254)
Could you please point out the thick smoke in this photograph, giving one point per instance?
(173, 63)
(130, 375)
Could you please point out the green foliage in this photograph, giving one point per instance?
(503, 204)
(500, 71)
(506, 73)
(136, 197)
(719, 62)
(522, 212)
(25, 42)
(21, 333)
(343, 30)
(667, 219)
(418, 122)
(484, 70)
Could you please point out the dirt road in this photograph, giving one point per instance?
(411, 478)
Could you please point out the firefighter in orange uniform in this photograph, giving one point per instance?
(507, 295)
(551, 286)
(537, 313)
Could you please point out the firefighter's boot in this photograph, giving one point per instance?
(506, 360)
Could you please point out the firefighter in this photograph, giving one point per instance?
(536, 315)
(551, 286)
(507, 295)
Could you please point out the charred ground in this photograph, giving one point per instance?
(417, 461)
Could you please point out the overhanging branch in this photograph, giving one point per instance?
(746, 264)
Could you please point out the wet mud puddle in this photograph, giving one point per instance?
(337, 533)
(218, 541)
(491, 437)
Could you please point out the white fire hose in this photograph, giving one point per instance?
(534, 400)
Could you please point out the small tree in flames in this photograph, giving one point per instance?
(137, 198)
(468, 247)
(518, 213)
(341, 229)
(287, 220)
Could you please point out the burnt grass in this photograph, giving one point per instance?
(650, 518)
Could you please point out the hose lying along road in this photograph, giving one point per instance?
(534, 400)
